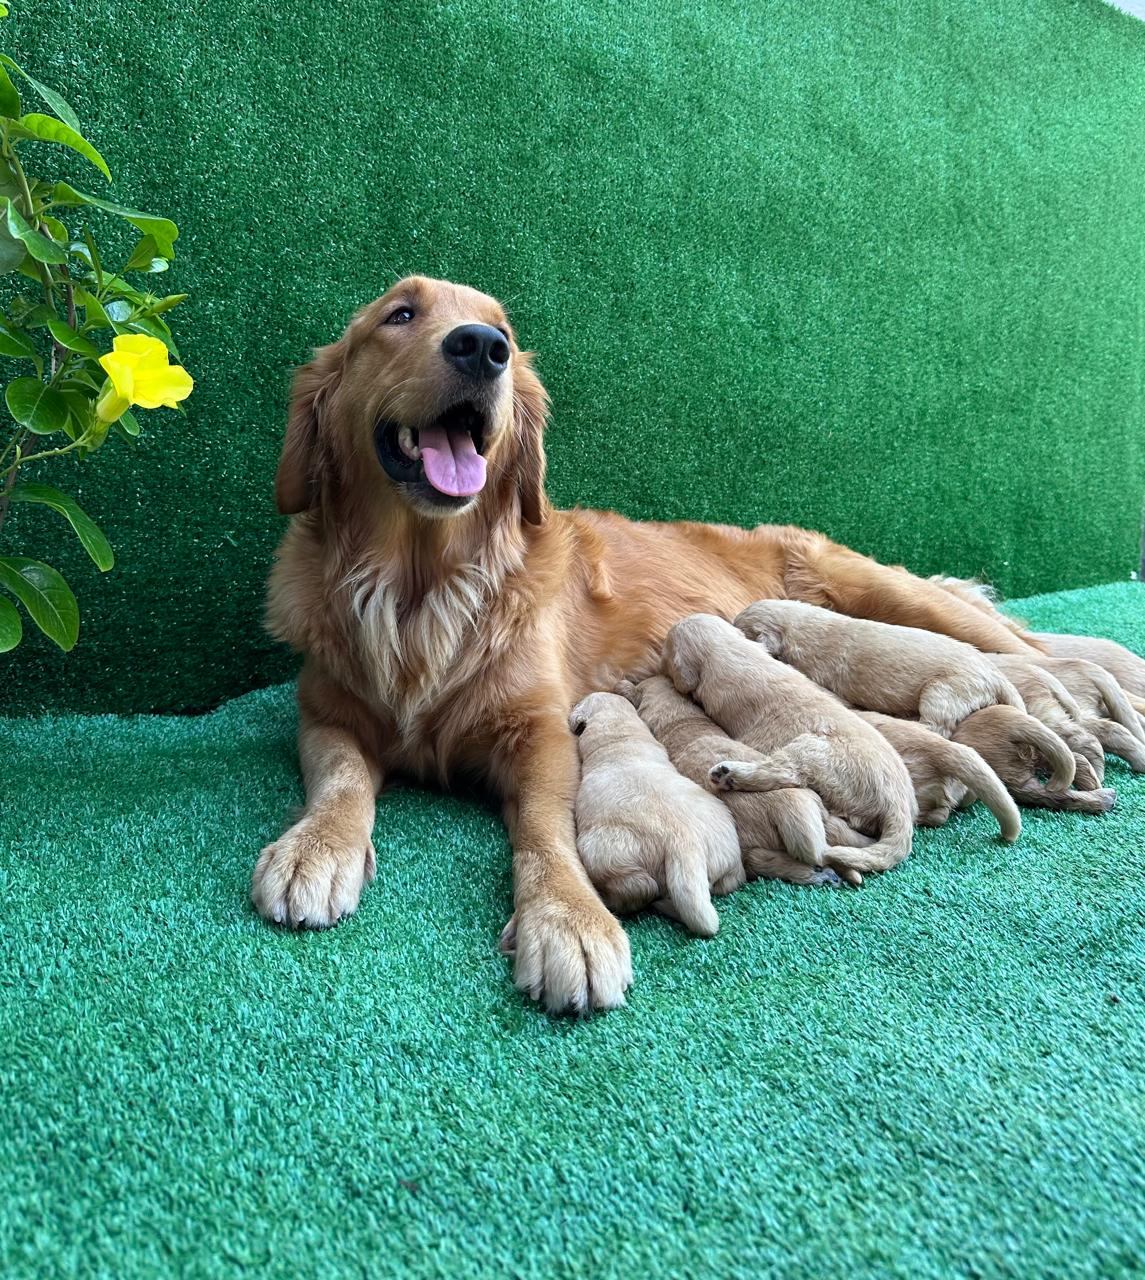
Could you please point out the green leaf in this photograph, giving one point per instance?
(49, 129)
(165, 304)
(12, 251)
(163, 229)
(56, 229)
(145, 255)
(9, 97)
(46, 596)
(66, 336)
(11, 628)
(129, 424)
(14, 344)
(39, 246)
(50, 96)
(36, 406)
(94, 542)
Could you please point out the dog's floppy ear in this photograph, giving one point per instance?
(628, 690)
(296, 483)
(679, 663)
(530, 413)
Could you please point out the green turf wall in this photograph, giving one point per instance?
(874, 268)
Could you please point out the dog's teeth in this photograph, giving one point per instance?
(406, 444)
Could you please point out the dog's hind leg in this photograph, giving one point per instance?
(783, 768)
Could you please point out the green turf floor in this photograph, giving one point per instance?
(938, 1075)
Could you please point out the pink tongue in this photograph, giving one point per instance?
(452, 463)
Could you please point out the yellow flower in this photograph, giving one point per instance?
(138, 372)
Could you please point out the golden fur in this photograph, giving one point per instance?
(783, 835)
(452, 647)
(646, 834)
(807, 737)
(900, 671)
(944, 773)
(1018, 747)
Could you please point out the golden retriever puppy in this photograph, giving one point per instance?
(783, 835)
(1018, 747)
(899, 671)
(647, 835)
(1123, 665)
(944, 773)
(1106, 710)
(1048, 700)
(808, 738)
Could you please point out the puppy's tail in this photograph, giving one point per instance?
(1120, 708)
(1063, 766)
(689, 897)
(893, 845)
(968, 767)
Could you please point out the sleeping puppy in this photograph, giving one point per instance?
(944, 773)
(899, 671)
(1049, 701)
(1105, 707)
(808, 738)
(1018, 747)
(1123, 665)
(783, 835)
(646, 835)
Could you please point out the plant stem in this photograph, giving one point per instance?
(30, 211)
(46, 453)
(10, 480)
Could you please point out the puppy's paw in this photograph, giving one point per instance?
(720, 776)
(571, 955)
(826, 877)
(308, 879)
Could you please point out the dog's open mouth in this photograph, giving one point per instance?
(448, 453)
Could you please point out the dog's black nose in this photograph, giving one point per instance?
(478, 350)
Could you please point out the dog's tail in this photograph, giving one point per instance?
(893, 845)
(689, 897)
(1063, 766)
(1116, 739)
(968, 767)
(1120, 708)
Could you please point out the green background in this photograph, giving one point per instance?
(876, 269)
(936, 1077)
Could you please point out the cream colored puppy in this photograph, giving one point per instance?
(646, 835)
(1048, 700)
(783, 835)
(1122, 664)
(1106, 709)
(808, 738)
(1018, 747)
(944, 773)
(900, 671)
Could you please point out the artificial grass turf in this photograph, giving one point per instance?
(873, 268)
(938, 1075)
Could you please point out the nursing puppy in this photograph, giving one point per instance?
(1018, 747)
(809, 739)
(944, 773)
(783, 835)
(1106, 709)
(899, 671)
(1048, 700)
(646, 835)
(1125, 667)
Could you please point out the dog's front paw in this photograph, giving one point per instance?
(309, 880)
(573, 956)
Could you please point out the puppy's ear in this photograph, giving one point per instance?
(296, 483)
(530, 413)
(628, 690)
(680, 665)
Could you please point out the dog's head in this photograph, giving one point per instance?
(427, 398)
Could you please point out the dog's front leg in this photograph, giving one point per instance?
(314, 873)
(571, 952)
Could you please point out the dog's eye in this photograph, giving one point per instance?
(580, 727)
(403, 315)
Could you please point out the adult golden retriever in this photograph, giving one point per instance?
(450, 617)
